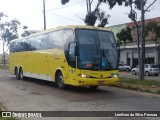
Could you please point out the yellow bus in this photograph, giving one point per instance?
(70, 55)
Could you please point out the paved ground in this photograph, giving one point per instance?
(33, 95)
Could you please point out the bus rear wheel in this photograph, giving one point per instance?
(60, 80)
(21, 77)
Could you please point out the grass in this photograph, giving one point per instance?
(139, 82)
(8, 118)
(158, 91)
(4, 67)
(152, 86)
(5, 118)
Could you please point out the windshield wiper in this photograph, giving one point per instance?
(104, 55)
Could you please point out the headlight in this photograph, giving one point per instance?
(114, 75)
(84, 76)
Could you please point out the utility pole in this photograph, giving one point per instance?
(44, 14)
(88, 2)
(143, 39)
(87, 6)
(4, 60)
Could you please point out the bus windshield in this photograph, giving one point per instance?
(97, 49)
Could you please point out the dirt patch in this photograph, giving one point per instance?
(36, 93)
(152, 89)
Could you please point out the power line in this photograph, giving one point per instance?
(65, 17)
(66, 6)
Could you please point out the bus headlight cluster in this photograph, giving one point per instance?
(84, 76)
(114, 75)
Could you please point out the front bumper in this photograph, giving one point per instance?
(154, 72)
(96, 82)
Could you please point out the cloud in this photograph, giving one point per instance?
(29, 12)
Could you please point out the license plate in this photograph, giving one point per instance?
(100, 82)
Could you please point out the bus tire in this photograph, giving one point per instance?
(16, 73)
(21, 77)
(60, 80)
(93, 87)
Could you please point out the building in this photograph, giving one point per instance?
(129, 51)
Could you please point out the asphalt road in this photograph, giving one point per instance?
(129, 75)
(36, 95)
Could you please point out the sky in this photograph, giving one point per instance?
(30, 13)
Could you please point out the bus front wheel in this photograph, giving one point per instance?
(93, 87)
(60, 80)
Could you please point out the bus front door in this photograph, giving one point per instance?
(72, 75)
(72, 63)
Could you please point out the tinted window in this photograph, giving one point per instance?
(37, 42)
(31, 44)
(88, 49)
(72, 52)
(68, 38)
(45, 42)
(153, 66)
(13, 46)
(22, 45)
(97, 49)
(57, 38)
(52, 40)
(40, 42)
(108, 45)
(120, 64)
(18, 46)
(146, 66)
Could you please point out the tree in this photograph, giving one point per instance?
(153, 28)
(133, 16)
(8, 31)
(136, 4)
(96, 14)
(123, 36)
(26, 32)
(153, 31)
(92, 16)
(64, 2)
(139, 5)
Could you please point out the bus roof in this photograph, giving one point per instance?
(63, 27)
(76, 26)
